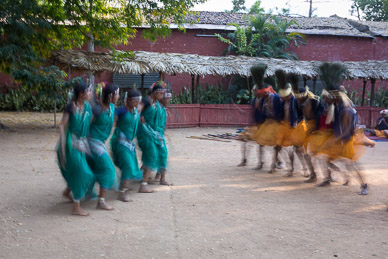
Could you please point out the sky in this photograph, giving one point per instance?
(324, 8)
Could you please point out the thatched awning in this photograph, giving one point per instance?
(174, 63)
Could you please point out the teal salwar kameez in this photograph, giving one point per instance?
(123, 147)
(149, 138)
(100, 161)
(76, 170)
(162, 149)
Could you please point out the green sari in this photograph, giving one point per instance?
(123, 147)
(149, 138)
(77, 172)
(100, 161)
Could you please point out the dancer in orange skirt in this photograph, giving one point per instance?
(311, 108)
(340, 144)
(292, 129)
(269, 109)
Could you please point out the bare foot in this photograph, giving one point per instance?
(144, 189)
(102, 205)
(243, 163)
(124, 196)
(157, 177)
(164, 182)
(78, 211)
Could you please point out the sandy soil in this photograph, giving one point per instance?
(214, 210)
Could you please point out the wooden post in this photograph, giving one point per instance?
(142, 84)
(314, 84)
(363, 92)
(249, 89)
(372, 91)
(161, 76)
(192, 88)
(304, 81)
(196, 89)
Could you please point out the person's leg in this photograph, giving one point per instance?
(260, 152)
(123, 192)
(275, 159)
(326, 174)
(77, 210)
(144, 184)
(243, 162)
(163, 177)
(313, 175)
(364, 186)
(66, 194)
(291, 155)
(101, 204)
(301, 155)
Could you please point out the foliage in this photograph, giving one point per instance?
(31, 29)
(24, 98)
(372, 10)
(183, 97)
(380, 100)
(264, 37)
(238, 6)
(213, 94)
(256, 8)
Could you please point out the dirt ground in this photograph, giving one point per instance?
(214, 210)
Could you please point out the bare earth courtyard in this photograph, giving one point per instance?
(214, 209)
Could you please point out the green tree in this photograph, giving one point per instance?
(265, 36)
(372, 10)
(256, 8)
(238, 6)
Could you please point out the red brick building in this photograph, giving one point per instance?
(327, 39)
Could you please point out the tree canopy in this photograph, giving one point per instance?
(372, 10)
(31, 29)
(265, 36)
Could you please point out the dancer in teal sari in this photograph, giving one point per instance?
(149, 138)
(123, 147)
(73, 147)
(162, 149)
(100, 129)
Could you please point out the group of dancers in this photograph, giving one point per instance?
(314, 127)
(83, 157)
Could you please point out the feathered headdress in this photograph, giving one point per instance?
(258, 73)
(293, 79)
(283, 86)
(332, 74)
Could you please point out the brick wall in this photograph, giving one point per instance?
(317, 47)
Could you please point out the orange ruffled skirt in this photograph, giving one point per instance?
(289, 136)
(266, 133)
(317, 145)
(249, 132)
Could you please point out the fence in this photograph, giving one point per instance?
(225, 115)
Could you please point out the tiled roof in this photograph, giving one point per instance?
(316, 25)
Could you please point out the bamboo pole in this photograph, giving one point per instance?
(192, 88)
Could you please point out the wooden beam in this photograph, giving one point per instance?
(363, 92)
(372, 91)
(192, 88)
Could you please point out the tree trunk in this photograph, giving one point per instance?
(249, 89)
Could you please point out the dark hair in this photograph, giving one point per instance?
(134, 93)
(79, 87)
(157, 87)
(109, 89)
(302, 89)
